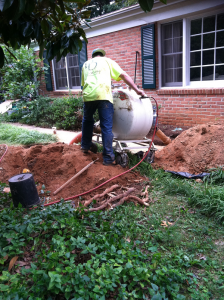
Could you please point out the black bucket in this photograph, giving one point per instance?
(23, 190)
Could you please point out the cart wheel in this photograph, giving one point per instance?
(150, 157)
(122, 159)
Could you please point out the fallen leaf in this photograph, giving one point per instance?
(18, 270)
(21, 263)
(27, 267)
(199, 180)
(127, 239)
(12, 262)
(202, 258)
(164, 224)
(6, 190)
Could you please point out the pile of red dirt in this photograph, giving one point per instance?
(55, 164)
(195, 150)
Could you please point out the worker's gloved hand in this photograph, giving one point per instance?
(141, 93)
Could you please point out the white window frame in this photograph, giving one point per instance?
(186, 83)
(65, 90)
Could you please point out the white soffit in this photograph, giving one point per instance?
(134, 16)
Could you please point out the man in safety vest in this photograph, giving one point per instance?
(96, 81)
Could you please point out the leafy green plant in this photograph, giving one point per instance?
(124, 253)
(63, 113)
(21, 75)
(216, 176)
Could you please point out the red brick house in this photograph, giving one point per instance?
(175, 53)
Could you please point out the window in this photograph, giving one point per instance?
(207, 48)
(202, 59)
(67, 71)
(172, 54)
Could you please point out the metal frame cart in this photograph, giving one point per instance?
(121, 147)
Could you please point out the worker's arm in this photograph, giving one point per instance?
(127, 79)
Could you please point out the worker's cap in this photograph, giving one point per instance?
(99, 50)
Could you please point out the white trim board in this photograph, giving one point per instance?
(134, 16)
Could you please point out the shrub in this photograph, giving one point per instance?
(63, 113)
(20, 75)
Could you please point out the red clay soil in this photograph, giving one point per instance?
(54, 164)
(195, 150)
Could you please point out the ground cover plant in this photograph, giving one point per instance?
(169, 250)
(13, 135)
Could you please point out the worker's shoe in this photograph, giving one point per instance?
(93, 148)
(84, 150)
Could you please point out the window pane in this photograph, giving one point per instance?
(60, 64)
(220, 21)
(177, 29)
(208, 57)
(209, 24)
(177, 60)
(172, 53)
(167, 46)
(220, 39)
(207, 73)
(169, 76)
(73, 70)
(208, 40)
(196, 26)
(195, 58)
(178, 75)
(167, 31)
(196, 42)
(220, 56)
(195, 74)
(60, 74)
(177, 45)
(168, 62)
(219, 72)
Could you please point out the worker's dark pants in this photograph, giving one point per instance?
(106, 111)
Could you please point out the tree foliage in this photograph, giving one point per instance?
(52, 24)
(55, 25)
(145, 5)
(21, 74)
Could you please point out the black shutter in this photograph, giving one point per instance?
(148, 57)
(47, 72)
(82, 58)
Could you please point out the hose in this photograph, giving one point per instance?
(102, 184)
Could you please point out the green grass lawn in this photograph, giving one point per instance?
(124, 253)
(12, 135)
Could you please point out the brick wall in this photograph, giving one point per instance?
(180, 107)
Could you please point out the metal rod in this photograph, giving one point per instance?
(136, 58)
(76, 175)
